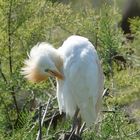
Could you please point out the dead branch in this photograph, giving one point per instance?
(41, 121)
(50, 123)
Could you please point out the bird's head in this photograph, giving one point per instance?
(41, 64)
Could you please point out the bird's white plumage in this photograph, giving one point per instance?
(82, 82)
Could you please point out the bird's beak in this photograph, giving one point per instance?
(56, 74)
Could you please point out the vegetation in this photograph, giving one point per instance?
(23, 24)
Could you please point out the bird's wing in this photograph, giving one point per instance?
(83, 80)
(83, 83)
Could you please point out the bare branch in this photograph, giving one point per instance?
(50, 123)
(40, 126)
(39, 134)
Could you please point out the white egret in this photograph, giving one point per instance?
(78, 73)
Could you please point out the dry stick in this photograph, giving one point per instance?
(32, 128)
(46, 109)
(82, 128)
(39, 134)
(40, 127)
(50, 123)
(72, 133)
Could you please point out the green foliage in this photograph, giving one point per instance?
(109, 37)
(114, 125)
(135, 44)
(23, 24)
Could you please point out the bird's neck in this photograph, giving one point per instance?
(58, 61)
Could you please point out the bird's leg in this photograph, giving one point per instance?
(78, 125)
(76, 122)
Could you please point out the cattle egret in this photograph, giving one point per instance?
(78, 73)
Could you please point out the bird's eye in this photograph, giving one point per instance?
(46, 70)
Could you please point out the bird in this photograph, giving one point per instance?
(78, 72)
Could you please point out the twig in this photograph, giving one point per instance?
(108, 111)
(82, 128)
(32, 127)
(50, 123)
(72, 133)
(46, 109)
(105, 92)
(39, 134)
